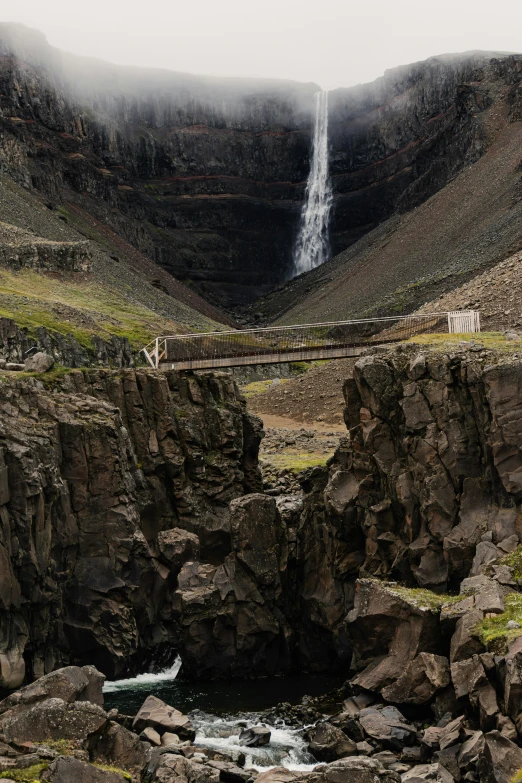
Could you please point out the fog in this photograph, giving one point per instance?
(334, 43)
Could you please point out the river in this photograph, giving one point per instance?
(219, 710)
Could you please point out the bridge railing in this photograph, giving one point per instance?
(290, 341)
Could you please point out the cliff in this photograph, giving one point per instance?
(109, 483)
(207, 176)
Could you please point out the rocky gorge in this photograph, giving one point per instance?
(134, 529)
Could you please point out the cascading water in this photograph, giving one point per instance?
(219, 710)
(312, 246)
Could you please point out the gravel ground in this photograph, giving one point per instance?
(311, 399)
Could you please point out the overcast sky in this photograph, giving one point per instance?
(332, 42)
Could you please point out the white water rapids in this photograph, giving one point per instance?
(287, 747)
(312, 245)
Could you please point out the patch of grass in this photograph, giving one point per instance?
(492, 340)
(62, 746)
(29, 775)
(422, 598)
(117, 770)
(514, 561)
(258, 387)
(34, 299)
(517, 778)
(493, 631)
(295, 462)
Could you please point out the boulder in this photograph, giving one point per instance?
(53, 719)
(466, 675)
(500, 759)
(513, 679)
(166, 767)
(39, 362)
(328, 743)
(470, 750)
(67, 769)
(420, 680)
(435, 773)
(176, 547)
(351, 770)
(463, 643)
(121, 747)
(388, 726)
(277, 775)
(388, 629)
(255, 736)
(170, 739)
(161, 717)
(70, 684)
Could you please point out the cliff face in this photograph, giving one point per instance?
(426, 488)
(133, 528)
(107, 487)
(207, 176)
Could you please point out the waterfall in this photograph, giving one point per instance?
(312, 246)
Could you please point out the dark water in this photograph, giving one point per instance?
(217, 697)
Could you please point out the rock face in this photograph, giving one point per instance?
(108, 484)
(208, 176)
(424, 490)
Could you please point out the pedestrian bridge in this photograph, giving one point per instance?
(302, 342)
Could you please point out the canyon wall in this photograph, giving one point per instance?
(133, 526)
(207, 176)
(425, 490)
(110, 482)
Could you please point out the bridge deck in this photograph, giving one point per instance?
(305, 342)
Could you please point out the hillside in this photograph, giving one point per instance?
(468, 226)
(94, 294)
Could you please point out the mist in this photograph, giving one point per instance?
(332, 43)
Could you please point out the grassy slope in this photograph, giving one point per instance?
(115, 297)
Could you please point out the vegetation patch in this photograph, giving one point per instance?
(116, 770)
(491, 340)
(493, 631)
(422, 598)
(517, 778)
(29, 775)
(62, 746)
(258, 387)
(514, 561)
(294, 462)
(76, 306)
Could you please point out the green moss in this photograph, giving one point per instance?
(517, 778)
(117, 770)
(29, 775)
(62, 746)
(295, 462)
(258, 387)
(514, 561)
(493, 631)
(424, 599)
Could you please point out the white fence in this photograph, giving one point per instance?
(463, 321)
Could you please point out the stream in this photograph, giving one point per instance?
(220, 710)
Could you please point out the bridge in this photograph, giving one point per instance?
(302, 342)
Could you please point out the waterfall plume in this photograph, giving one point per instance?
(312, 245)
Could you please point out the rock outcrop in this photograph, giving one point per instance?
(109, 483)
